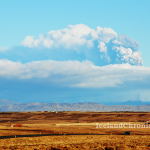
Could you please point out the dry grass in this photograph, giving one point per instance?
(66, 123)
(78, 142)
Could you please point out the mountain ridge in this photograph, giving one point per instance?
(4, 102)
(71, 107)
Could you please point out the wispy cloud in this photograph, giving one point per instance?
(75, 73)
(3, 49)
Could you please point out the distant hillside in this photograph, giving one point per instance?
(130, 102)
(4, 102)
(71, 107)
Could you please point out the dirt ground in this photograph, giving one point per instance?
(113, 124)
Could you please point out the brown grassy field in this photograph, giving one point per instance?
(67, 123)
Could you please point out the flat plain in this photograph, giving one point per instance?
(103, 130)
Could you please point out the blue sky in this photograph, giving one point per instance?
(74, 51)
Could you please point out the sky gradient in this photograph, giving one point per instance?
(74, 51)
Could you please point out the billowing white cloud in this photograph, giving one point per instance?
(126, 42)
(102, 47)
(103, 44)
(71, 37)
(75, 73)
(127, 55)
(29, 41)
